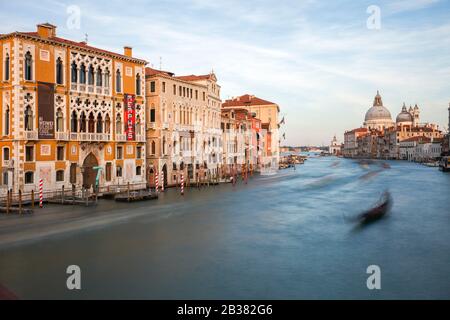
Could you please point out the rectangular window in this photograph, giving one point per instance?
(152, 86)
(29, 153)
(163, 87)
(138, 170)
(204, 96)
(174, 89)
(152, 115)
(196, 94)
(119, 171)
(138, 152)
(29, 177)
(108, 171)
(119, 153)
(60, 176)
(60, 153)
(180, 91)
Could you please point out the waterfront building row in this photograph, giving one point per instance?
(69, 110)
(382, 138)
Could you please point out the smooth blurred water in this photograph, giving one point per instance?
(279, 237)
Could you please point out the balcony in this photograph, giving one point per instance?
(90, 137)
(62, 136)
(140, 138)
(121, 137)
(30, 135)
(83, 88)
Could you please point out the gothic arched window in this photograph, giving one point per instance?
(59, 120)
(107, 75)
(119, 124)
(99, 124)
(59, 71)
(74, 122)
(74, 72)
(91, 76)
(28, 119)
(99, 77)
(83, 74)
(28, 66)
(83, 122)
(118, 81)
(7, 67)
(91, 123)
(107, 124)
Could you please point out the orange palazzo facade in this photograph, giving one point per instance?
(67, 110)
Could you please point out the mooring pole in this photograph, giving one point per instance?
(32, 199)
(128, 191)
(20, 201)
(7, 202)
(62, 194)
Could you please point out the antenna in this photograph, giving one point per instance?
(160, 63)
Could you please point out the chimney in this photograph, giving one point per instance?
(128, 51)
(46, 30)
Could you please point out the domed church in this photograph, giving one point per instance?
(378, 117)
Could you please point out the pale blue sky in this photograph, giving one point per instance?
(316, 59)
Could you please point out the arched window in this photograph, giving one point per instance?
(59, 120)
(91, 123)
(119, 124)
(74, 122)
(83, 74)
(107, 124)
(7, 67)
(28, 119)
(99, 77)
(91, 76)
(83, 122)
(138, 84)
(99, 124)
(6, 124)
(107, 75)
(59, 71)
(164, 145)
(118, 81)
(74, 72)
(153, 147)
(28, 66)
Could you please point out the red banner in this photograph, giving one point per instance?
(130, 116)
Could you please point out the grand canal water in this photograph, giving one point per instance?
(279, 237)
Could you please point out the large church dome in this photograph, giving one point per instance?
(378, 116)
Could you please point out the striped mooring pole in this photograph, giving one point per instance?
(41, 194)
(156, 183)
(182, 184)
(162, 181)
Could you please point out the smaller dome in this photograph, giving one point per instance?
(404, 116)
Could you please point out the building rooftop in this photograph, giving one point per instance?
(66, 42)
(246, 100)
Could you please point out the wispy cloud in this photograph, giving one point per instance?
(316, 59)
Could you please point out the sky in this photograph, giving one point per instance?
(322, 62)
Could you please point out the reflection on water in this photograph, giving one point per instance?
(283, 236)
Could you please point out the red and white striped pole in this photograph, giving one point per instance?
(41, 193)
(182, 184)
(156, 182)
(162, 181)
